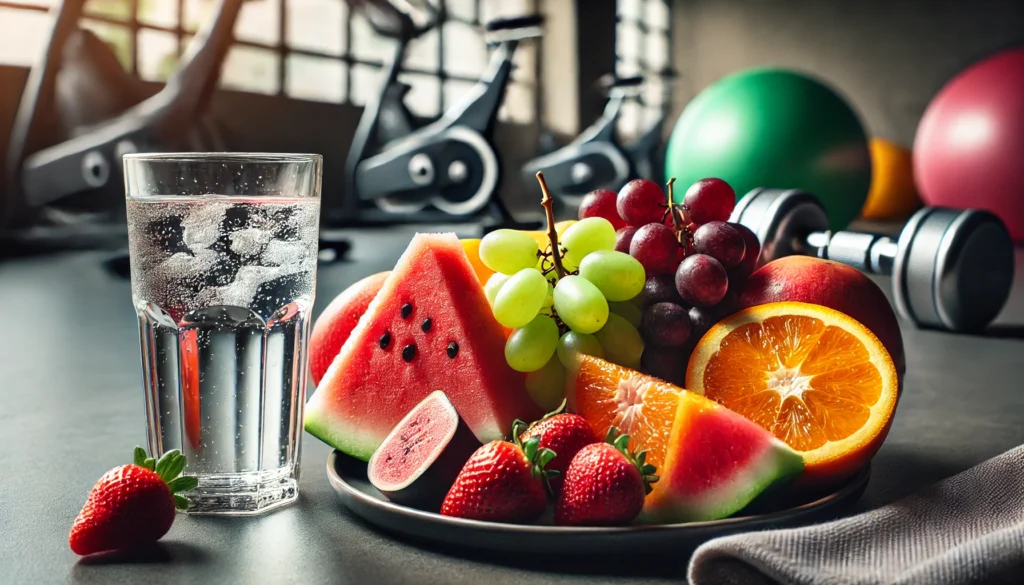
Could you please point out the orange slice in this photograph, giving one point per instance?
(817, 379)
(472, 249)
(641, 406)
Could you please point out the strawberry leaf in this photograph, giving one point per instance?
(166, 460)
(518, 428)
(610, 437)
(139, 456)
(622, 443)
(172, 469)
(183, 484)
(149, 463)
(530, 449)
(180, 502)
(544, 457)
(555, 412)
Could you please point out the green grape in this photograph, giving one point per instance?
(573, 343)
(547, 385)
(621, 342)
(586, 236)
(618, 276)
(508, 251)
(494, 284)
(580, 304)
(531, 346)
(628, 311)
(520, 298)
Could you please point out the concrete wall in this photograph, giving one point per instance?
(888, 57)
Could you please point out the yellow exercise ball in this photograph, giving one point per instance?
(892, 194)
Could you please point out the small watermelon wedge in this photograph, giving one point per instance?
(711, 462)
(429, 328)
(718, 463)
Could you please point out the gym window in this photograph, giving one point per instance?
(304, 49)
(643, 47)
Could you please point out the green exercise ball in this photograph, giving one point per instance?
(774, 128)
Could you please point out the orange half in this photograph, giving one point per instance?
(814, 377)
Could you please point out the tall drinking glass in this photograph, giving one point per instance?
(223, 252)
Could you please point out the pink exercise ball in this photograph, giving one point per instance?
(969, 148)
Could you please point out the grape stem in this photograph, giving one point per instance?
(681, 232)
(549, 212)
(672, 211)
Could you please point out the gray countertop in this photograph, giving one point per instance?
(71, 407)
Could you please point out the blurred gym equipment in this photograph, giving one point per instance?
(774, 127)
(80, 112)
(447, 170)
(892, 195)
(596, 159)
(950, 269)
(967, 152)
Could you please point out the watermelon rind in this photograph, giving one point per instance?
(777, 466)
(319, 423)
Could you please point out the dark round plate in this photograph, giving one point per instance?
(348, 478)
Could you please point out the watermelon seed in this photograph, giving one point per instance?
(453, 349)
(409, 352)
(385, 340)
(426, 325)
(406, 310)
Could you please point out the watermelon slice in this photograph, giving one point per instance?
(711, 461)
(429, 328)
(717, 463)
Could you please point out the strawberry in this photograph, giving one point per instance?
(501, 482)
(561, 432)
(605, 484)
(132, 505)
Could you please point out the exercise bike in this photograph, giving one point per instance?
(448, 170)
(387, 118)
(596, 159)
(65, 186)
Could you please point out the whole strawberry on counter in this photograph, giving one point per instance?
(605, 484)
(561, 432)
(132, 505)
(501, 482)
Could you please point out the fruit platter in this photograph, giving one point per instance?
(630, 380)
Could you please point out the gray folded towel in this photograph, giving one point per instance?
(968, 528)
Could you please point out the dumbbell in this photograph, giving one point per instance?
(951, 269)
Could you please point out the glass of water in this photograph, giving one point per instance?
(223, 251)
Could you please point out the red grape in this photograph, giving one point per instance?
(703, 318)
(665, 325)
(701, 280)
(641, 202)
(623, 237)
(654, 245)
(660, 288)
(752, 249)
(721, 241)
(601, 203)
(709, 200)
(669, 364)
